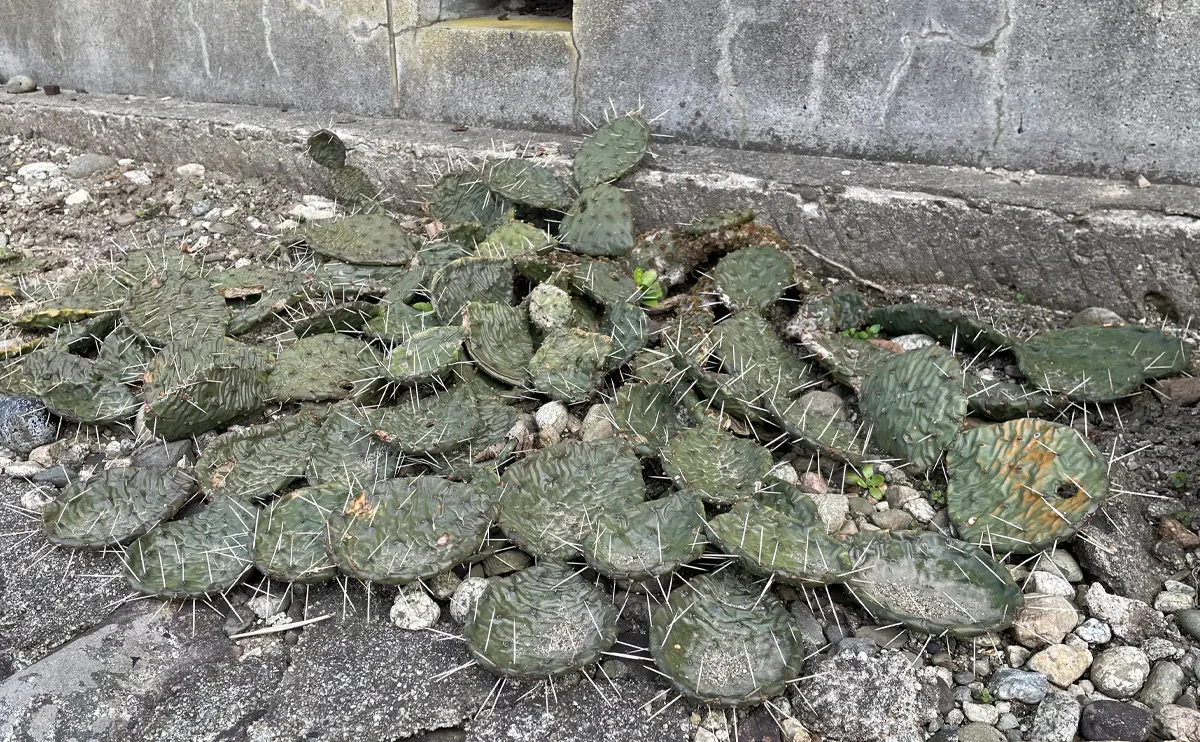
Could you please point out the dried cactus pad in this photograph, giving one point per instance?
(515, 238)
(569, 365)
(648, 539)
(327, 149)
(554, 497)
(259, 461)
(460, 198)
(364, 239)
(470, 279)
(203, 554)
(289, 544)
(164, 309)
(612, 150)
(408, 529)
(600, 222)
(523, 182)
(1099, 364)
(915, 404)
(72, 388)
(718, 466)
(947, 326)
(932, 584)
(118, 505)
(321, 368)
(792, 546)
(425, 356)
(498, 339)
(647, 416)
(1023, 485)
(753, 277)
(722, 640)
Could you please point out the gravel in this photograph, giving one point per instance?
(1120, 672)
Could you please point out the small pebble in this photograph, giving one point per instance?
(413, 609)
(466, 595)
(20, 84)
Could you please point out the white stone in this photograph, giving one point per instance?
(1176, 597)
(413, 609)
(44, 455)
(785, 471)
(39, 171)
(1048, 583)
(36, 499)
(832, 508)
(1120, 672)
(466, 595)
(307, 213)
(192, 170)
(1062, 663)
(920, 509)
(552, 419)
(1045, 619)
(981, 712)
(265, 606)
(913, 342)
(78, 198)
(137, 177)
(24, 469)
(1094, 631)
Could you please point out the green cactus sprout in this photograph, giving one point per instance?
(723, 640)
(463, 197)
(289, 543)
(718, 466)
(175, 308)
(524, 182)
(320, 368)
(646, 540)
(931, 584)
(791, 545)
(257, 462)
(947, 326)
(569, 365)
(600, 222)
(754, 277)
(362, 239)
(1023, 485)
(646, 415)
(425, 356)
(470, 279)
(515, 238)
(611, 151)
(540, 622)
(72, 387)
(327, 149)
(498, 340)
(116, 506)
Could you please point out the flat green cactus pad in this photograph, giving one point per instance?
(722, 640)
(629, 329)
(346, 451)
(352, 185)
(612, 150)
(947, 326)
(542, 621)
(498, 339)
(554, 496)
(203, 554)
(192, 387)
(747, 346)
(321, 368)
(427, 423)
(754, 277)
(931, 584)
(523, 182)
(116, 506)
(123, 356)
(717, 222)
(1022, 485)
(90, 295)
(470, 279)
(408, 529)
(515, 238)
(648, 539)
(1099, 364)
(398, 322)
(327, 149)
(849, 360)
(72, 387)
(915, 404)
(350, 281)
(425, 356)
(163, 310)
(350, 317)
(569, 365)
(832, 313)
(792, 546)
(363, 239)
(1004, 400)
(463, 197)
(259, 461)
(603, 281)
(289, 543)
(718, 466)
(600, 222)
(824, 434)
(646, 415)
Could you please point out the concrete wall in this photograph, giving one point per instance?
(1107, 87)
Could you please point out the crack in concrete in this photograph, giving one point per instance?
(266, 21)
(576, 91)
(730, 91)
(202, 37)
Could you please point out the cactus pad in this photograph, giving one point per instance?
(603, 281)
(947, 326)
(72, 388)
(470, 279)
(1099, 364)
(320, 368)
(647, 416)
(849, 360)
(612, 150)
(462, 197)
(427, 423)
(791, 545)
(118, 505)
(554, 496)
(346, 451)
(123, 356)
(932, 584)
(408, 529)
(515, 238)
(206, 553)
(747, 346)
(363, 239)
(716, 465)
(722, 640)
(425, 356)
(523, 182)
(259, 461)
(398, 322)
(542, 621)
(569, 365)
(753, 277)
(647, 539)
(600, 222)
(824, 434)
(352, 185)
(289, 543)
(915, 404)
(327, 149)
(498, 339)
(1004, 400)
(171, 308)
(1023, 485)
(629, 329)
(349, 318)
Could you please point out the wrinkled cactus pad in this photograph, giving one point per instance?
(327, 149)
(849, 360)
(175, 307)
(612, 150)
(931, 584)
(629, 329)
(352, 185)
(1004, 400)
(498, 339)
(600, 222)
(524, 182)
(754, 277)
(470, 279)
(718, 466)
(397, 322)
(554, 496)
(569, 365)
(647, 539)
(320, 368)
(350, 318)
(515, 238)
(603, 281)
(1099, 364)
(427, 423)
(258, 461)
(408, 529)
(947, 326)
(346, 450)
(646, 415)
(722, 640)
(792, 545)
(289, 544)
(1022, 485)
(748, 346)
(542, 621)
(425, 356)
(72, 388)
(463, 197)
(123, 356)
(362, 239)
(825, 434)
(205, 553)
(116, 506)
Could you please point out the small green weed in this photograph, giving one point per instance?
(1177, 480)
(650, 288)
(868, 334)
(423, 306)
(868, 480)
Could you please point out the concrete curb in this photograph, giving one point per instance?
(1063, 242)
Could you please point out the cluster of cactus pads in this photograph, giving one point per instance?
(382, 432)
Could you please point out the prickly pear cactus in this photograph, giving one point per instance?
(849, 360)
(90, 295)
(613, 150)
(648, 539)
(352, 185)
(425, 356)
(1003, 400)
(553, 496)
(73, 389)
(600, 222)
(257, 462)
(723, 640)
(398, 322)
(832, 313)
(569, 365)
(718, 466)
(362, 239)
(498, 340)
(205, 553)
(523, 182)
(327, 149)
(754, 277)
(791, 546)
(462, 197)
(289, 543)
(629, 329)
(163, 310)
(470, 279)
(516, 238)
(350, 281)
(1023, 485)
(747, 346)
(1099, 364)
(116, 506)
(427, 423)
(408, 529)
(646, 415)
(824, 434)
(123, 356)
(947, 326)
(540, 622)
(322, 368)
(350, 317)
(931, 584)
(915, 404)
(717, 223)
(346, 451)
(195, 386)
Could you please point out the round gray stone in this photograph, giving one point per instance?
(1189, 622)
(25, 424)
(1120, 672)
(20, 84)
(1114, 720)
(980, 732)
